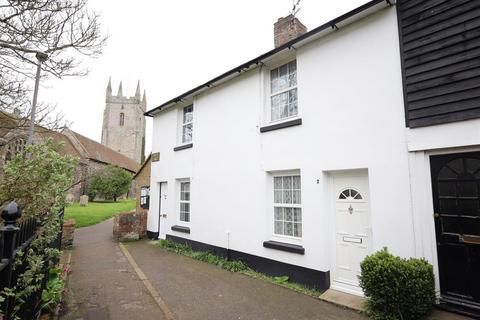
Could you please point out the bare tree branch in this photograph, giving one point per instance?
(65, 30)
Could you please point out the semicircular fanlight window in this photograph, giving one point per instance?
(350, 194)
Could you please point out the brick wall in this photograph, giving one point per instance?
(286, 29)
(68, 233)
(129, 226)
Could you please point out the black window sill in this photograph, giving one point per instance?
(286, 124)
(185, 146)
(181, 229)
(293, 248)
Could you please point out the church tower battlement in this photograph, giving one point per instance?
(124, 123)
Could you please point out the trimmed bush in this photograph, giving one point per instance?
(397, 288)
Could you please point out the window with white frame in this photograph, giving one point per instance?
(185, 201)
(283, 91)
(187, 124)
(287, 205)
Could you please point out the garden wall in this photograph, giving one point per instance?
(129, 226)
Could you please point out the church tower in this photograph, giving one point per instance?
(124, 124)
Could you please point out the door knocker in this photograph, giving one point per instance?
(350, 209)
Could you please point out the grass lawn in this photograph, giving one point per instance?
(96, 212)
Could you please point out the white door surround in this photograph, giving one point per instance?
(352, 228)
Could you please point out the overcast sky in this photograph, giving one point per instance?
(173, 46)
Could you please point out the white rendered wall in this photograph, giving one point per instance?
(351, 105)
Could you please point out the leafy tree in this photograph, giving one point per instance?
(37, 181)
(109, 182)
(65, 30)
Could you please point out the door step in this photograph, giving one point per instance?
(343, 299)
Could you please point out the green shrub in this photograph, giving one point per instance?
(397, 288)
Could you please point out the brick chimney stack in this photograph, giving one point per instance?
(286, 29)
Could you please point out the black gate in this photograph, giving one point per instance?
(456, 200)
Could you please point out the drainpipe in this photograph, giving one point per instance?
(228, 245)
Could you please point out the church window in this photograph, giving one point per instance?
(187, 126)
(122, 119)
(15, 147)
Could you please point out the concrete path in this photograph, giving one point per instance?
(105, 285)
(197, 290)
(102, 284)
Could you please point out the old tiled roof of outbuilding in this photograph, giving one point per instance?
(74, 144)
(57, 137)
(145, 163)
(7, 123)
(98, 152)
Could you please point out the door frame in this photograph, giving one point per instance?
(332, 196)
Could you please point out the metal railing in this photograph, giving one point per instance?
(16, 237)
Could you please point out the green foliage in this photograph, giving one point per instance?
(397, 288)
(52, 294)
(37, 181)
(109, 182)
(176, 247)
(37, 259)
(96, 212)
(235, 266)
(281, 279)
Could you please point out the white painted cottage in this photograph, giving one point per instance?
(360, 134)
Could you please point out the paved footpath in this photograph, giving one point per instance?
(105, 285)
(102, 284)
(197, 290)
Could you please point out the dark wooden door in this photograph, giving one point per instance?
(456, 199)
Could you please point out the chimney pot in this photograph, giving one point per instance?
(286, 29)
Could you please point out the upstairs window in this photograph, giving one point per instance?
(287, 206)
(122, 119)
(283, 90)
(187, 124)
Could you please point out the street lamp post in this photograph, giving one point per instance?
(41, 57)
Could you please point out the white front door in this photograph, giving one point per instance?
(163, 204)
(352, 229)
